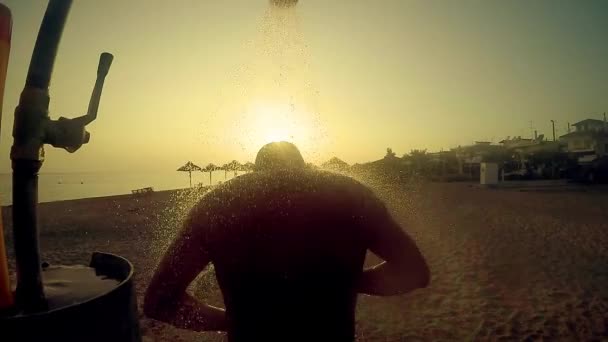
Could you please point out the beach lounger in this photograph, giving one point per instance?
(142, 191)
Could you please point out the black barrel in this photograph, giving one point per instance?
(110, 316)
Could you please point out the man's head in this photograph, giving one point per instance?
(279, 156)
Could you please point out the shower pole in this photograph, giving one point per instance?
(32, 129)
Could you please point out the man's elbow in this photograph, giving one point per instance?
(152, 308)
(417, 278)
(424, 277)
(423, 273)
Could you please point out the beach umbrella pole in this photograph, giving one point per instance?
(189, 167)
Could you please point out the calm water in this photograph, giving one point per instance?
(65, 186)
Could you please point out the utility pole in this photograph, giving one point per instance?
(532, 127)
(553, 124)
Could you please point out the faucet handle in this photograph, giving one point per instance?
(70, 134)
(105, 61)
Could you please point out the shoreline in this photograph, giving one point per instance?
(100, 198)
(115, 197)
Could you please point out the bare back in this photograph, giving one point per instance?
(288, 248)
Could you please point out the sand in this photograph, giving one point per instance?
(506, 264)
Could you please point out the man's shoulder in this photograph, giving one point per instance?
(343, 185)
(339, 179)
(301, 180)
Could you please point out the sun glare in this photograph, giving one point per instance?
(278, 135)
(278, 123)
(263, 123)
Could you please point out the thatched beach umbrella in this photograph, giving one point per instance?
(210, 168)
(189, 167)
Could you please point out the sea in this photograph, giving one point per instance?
(68, 186)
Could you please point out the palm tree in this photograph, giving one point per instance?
(248, 167)
(390, 154)
(225, 167)
(420, 161)
(210, 168)
(234, 166)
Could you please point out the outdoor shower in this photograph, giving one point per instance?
(97, 302)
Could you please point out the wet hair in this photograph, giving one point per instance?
(279, 156)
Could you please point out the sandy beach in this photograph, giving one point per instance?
(506, 264)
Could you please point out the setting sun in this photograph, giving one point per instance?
(264, 122)
(276, 123)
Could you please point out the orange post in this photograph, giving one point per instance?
(6, 23)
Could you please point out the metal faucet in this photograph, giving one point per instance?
(32, 129)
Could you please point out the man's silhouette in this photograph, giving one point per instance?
(288, 244)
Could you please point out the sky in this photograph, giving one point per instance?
(212, 81)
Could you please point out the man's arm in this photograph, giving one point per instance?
(166, 298)
(404, 268)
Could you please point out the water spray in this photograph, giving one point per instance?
(284, 3)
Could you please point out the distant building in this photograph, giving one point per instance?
(470, 157)
(590, 125)
(478, 152)
(445, 162)
(515, 142)
(589, 139)
(527, 146)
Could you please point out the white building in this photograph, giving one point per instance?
(590, 138)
